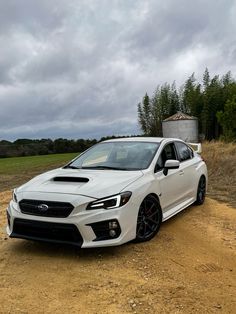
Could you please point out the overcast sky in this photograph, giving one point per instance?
(78, 68)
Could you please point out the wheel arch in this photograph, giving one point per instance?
(202, 171)
(148, 237)
(202, 174)
(157, 198)
(154, 195)
(201, 197)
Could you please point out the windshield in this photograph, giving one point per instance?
(117, 156)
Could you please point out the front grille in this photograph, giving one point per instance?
(52, 209)
(46, 231)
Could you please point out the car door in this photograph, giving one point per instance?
(188, 169)
(172, 185)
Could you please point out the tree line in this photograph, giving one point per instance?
(29, 147)
(212, 101)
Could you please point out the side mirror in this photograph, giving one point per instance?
(170, 164)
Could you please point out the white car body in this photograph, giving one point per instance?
(174, 191)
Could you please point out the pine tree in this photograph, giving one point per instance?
(205, 115)
(174, 101)
(227, 120)
(206, 79)
(145, 115)
(157, 113)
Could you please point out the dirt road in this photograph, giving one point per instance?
(189, 267)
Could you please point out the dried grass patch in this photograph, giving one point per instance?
(221, 162)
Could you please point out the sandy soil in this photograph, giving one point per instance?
(189, 267)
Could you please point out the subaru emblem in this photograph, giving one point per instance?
(43, 207)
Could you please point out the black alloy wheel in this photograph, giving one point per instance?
(201, 191)
(149, 219)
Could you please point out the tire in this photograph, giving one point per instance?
(149, 219)
(201, 191)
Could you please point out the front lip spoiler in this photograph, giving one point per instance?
(22, 236)
(44, 231)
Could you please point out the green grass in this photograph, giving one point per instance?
(17, 170)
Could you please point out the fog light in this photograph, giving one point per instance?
(106, 230)
(113, 225)
(112, 233)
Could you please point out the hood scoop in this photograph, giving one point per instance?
(70, 179)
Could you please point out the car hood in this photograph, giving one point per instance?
(100, 183)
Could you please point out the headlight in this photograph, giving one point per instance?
(14, 196)
(110, 202)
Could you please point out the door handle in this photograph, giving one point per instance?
(181, 172)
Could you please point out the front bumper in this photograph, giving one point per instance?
(88, 228)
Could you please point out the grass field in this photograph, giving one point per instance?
(17, 170)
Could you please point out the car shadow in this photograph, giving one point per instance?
(29, 248)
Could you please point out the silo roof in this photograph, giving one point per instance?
(179, 116)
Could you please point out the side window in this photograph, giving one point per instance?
(185, 152)
(168, 152)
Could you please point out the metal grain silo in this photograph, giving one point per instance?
(181, 126)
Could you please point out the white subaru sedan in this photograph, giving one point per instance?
(117, 191)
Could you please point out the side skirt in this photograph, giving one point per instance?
(175, 210)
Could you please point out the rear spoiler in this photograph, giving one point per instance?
(197, 147)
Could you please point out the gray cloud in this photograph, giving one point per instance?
(34, 17)
(78, 68)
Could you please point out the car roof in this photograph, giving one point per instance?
(142, 139)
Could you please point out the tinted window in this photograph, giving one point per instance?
(168, 152)
(185, 152)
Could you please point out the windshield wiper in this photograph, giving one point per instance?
(71, 167)
(105, 167)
